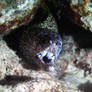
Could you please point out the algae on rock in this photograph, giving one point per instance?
(14, 13)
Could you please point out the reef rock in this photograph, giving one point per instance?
(14, 13)
(82, 13)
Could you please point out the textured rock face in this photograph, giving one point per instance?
(14, 13)
(43, 46)
(82, 12)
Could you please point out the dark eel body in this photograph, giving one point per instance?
(41, 47)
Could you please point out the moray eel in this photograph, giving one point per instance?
(41, 46)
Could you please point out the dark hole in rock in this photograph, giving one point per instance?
(41, 14)
(82, 37)
(65, 24)
(46, 60)
(13, 40)
(86, 87)
(13, 80)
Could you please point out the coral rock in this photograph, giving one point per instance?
(81, 13)
(14, 13)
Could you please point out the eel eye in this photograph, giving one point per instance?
(46, 60)
(39, 55)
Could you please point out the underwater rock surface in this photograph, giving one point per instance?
(82, 13)
(14, 13)
(72, 73)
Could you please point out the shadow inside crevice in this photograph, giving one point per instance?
(86, 87)
(64, 19)
(82, 37)
(13, 42)
(13, 38)
(12, 80)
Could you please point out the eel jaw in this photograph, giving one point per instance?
(46, 57)
(50, 54)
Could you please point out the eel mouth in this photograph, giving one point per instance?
(46, 59)
(47, 56)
